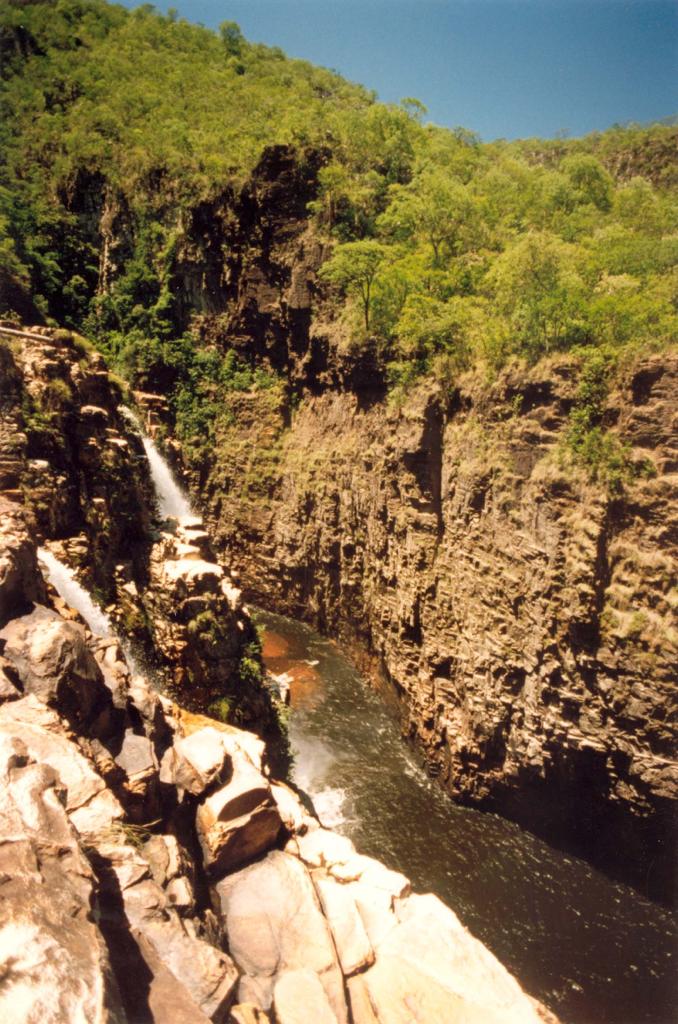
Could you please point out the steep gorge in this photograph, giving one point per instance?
(422, 392)
(522, 616)
(521, 611)
(153, 867)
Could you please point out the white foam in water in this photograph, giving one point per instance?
(172, 501)
(329, 806)
(313, 767)
(64, 582)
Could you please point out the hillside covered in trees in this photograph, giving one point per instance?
(122, 130)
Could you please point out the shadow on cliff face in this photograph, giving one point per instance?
(575, 817)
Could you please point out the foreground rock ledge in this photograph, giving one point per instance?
(233, 906)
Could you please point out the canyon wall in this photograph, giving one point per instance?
(523, 615)
(522, 611)
(72, 458)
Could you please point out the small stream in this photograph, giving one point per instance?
(591, 949)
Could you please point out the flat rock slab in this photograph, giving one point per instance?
(274, 924)
(430, 968)
(350, 938)
(298, 997)
(400, 994)
(375, 907)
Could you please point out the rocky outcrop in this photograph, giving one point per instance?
(522, 612)
(70, 454)
(55, 961)
(229, 904)
(20, 583)
(199, 626)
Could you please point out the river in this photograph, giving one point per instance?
(591, 949)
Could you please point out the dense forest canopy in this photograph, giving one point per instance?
(445, 252)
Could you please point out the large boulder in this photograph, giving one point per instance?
(92, 808)
(53, 958)
(274, 924)
(53, 662)
(238, 821)
(198, 760)
(141, 789)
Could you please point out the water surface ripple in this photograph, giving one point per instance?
(593, 950)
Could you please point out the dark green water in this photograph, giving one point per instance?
(589, 948)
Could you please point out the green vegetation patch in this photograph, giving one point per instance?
(122, 132)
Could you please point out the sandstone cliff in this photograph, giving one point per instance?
(523, 614)
(71, 456)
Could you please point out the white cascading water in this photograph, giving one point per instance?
(313, 765)
(172, 500)
(64, 582)
(74, 594)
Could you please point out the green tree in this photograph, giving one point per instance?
(433, 208)
(536, 283)
(354, 267)
(590, 180)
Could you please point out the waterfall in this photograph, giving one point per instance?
(64, 582)
(74, 594)
(172, 500)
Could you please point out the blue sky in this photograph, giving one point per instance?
(503, 68)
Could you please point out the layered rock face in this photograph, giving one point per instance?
(70, 455)
(522, 613)
(153, 871)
